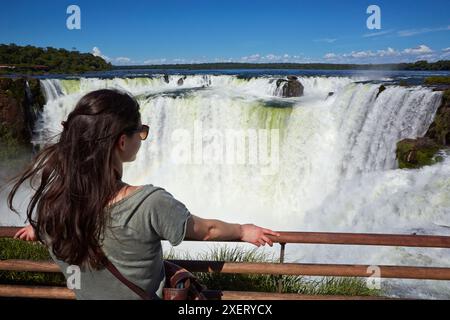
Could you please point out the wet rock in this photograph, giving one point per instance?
(291, 87)
(180, 81)
(416, 153)
(20, 101)
(439, 130)
(166, 78)
(380, 90)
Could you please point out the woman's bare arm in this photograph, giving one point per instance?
(212, 229)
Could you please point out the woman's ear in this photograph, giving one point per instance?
(121, 142)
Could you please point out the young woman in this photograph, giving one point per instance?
(84, 212)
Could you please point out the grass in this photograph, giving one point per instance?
(269, 283)
(16, 249)
(422, 154)
(437, 80)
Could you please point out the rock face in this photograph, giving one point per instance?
(416, 153)
(439, 130)
(20, 102)
(291, 87)
(180, 81)
(380, 90)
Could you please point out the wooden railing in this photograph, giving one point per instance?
(282, 268)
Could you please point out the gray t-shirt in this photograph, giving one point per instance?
(133, 244)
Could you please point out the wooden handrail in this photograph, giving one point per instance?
(337, 270)
(65, 293)
(371, 239)
(334, 270)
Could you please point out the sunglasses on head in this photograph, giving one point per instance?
(143, 131)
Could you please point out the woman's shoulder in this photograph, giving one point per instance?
(158, 197)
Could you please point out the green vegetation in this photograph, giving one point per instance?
(34, 60)
(9, 145)
(413, 154)
(14, 134)
(419, 65)
(437, 80)
(416, 153)
(269, 283)
(439, 130)
(14, 155)
(442, 120)
(16, 249)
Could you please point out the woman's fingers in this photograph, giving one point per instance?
(19, 233)
(273, 233)
(267, 240)
(26, 233)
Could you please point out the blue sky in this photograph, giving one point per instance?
(190, 31)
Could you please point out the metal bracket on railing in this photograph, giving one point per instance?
(280, 279)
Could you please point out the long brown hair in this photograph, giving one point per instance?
(77, 178)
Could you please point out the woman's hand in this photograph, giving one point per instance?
(257, 235)
(26, 233)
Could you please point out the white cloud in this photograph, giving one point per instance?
(119, 60)
(388, 55)
(122, 60)
(360, 54)
(272, 57)
(377, 34)
(422, 49)
(155, 61)
(97, 53)
(327, 40)
(389, 52)
(252, 58)
(413, 32)
(426, 57)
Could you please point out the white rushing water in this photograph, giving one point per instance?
(320, 163)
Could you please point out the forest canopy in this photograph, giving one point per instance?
(30, 59)
(35, 60)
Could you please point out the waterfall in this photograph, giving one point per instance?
(327, 162)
